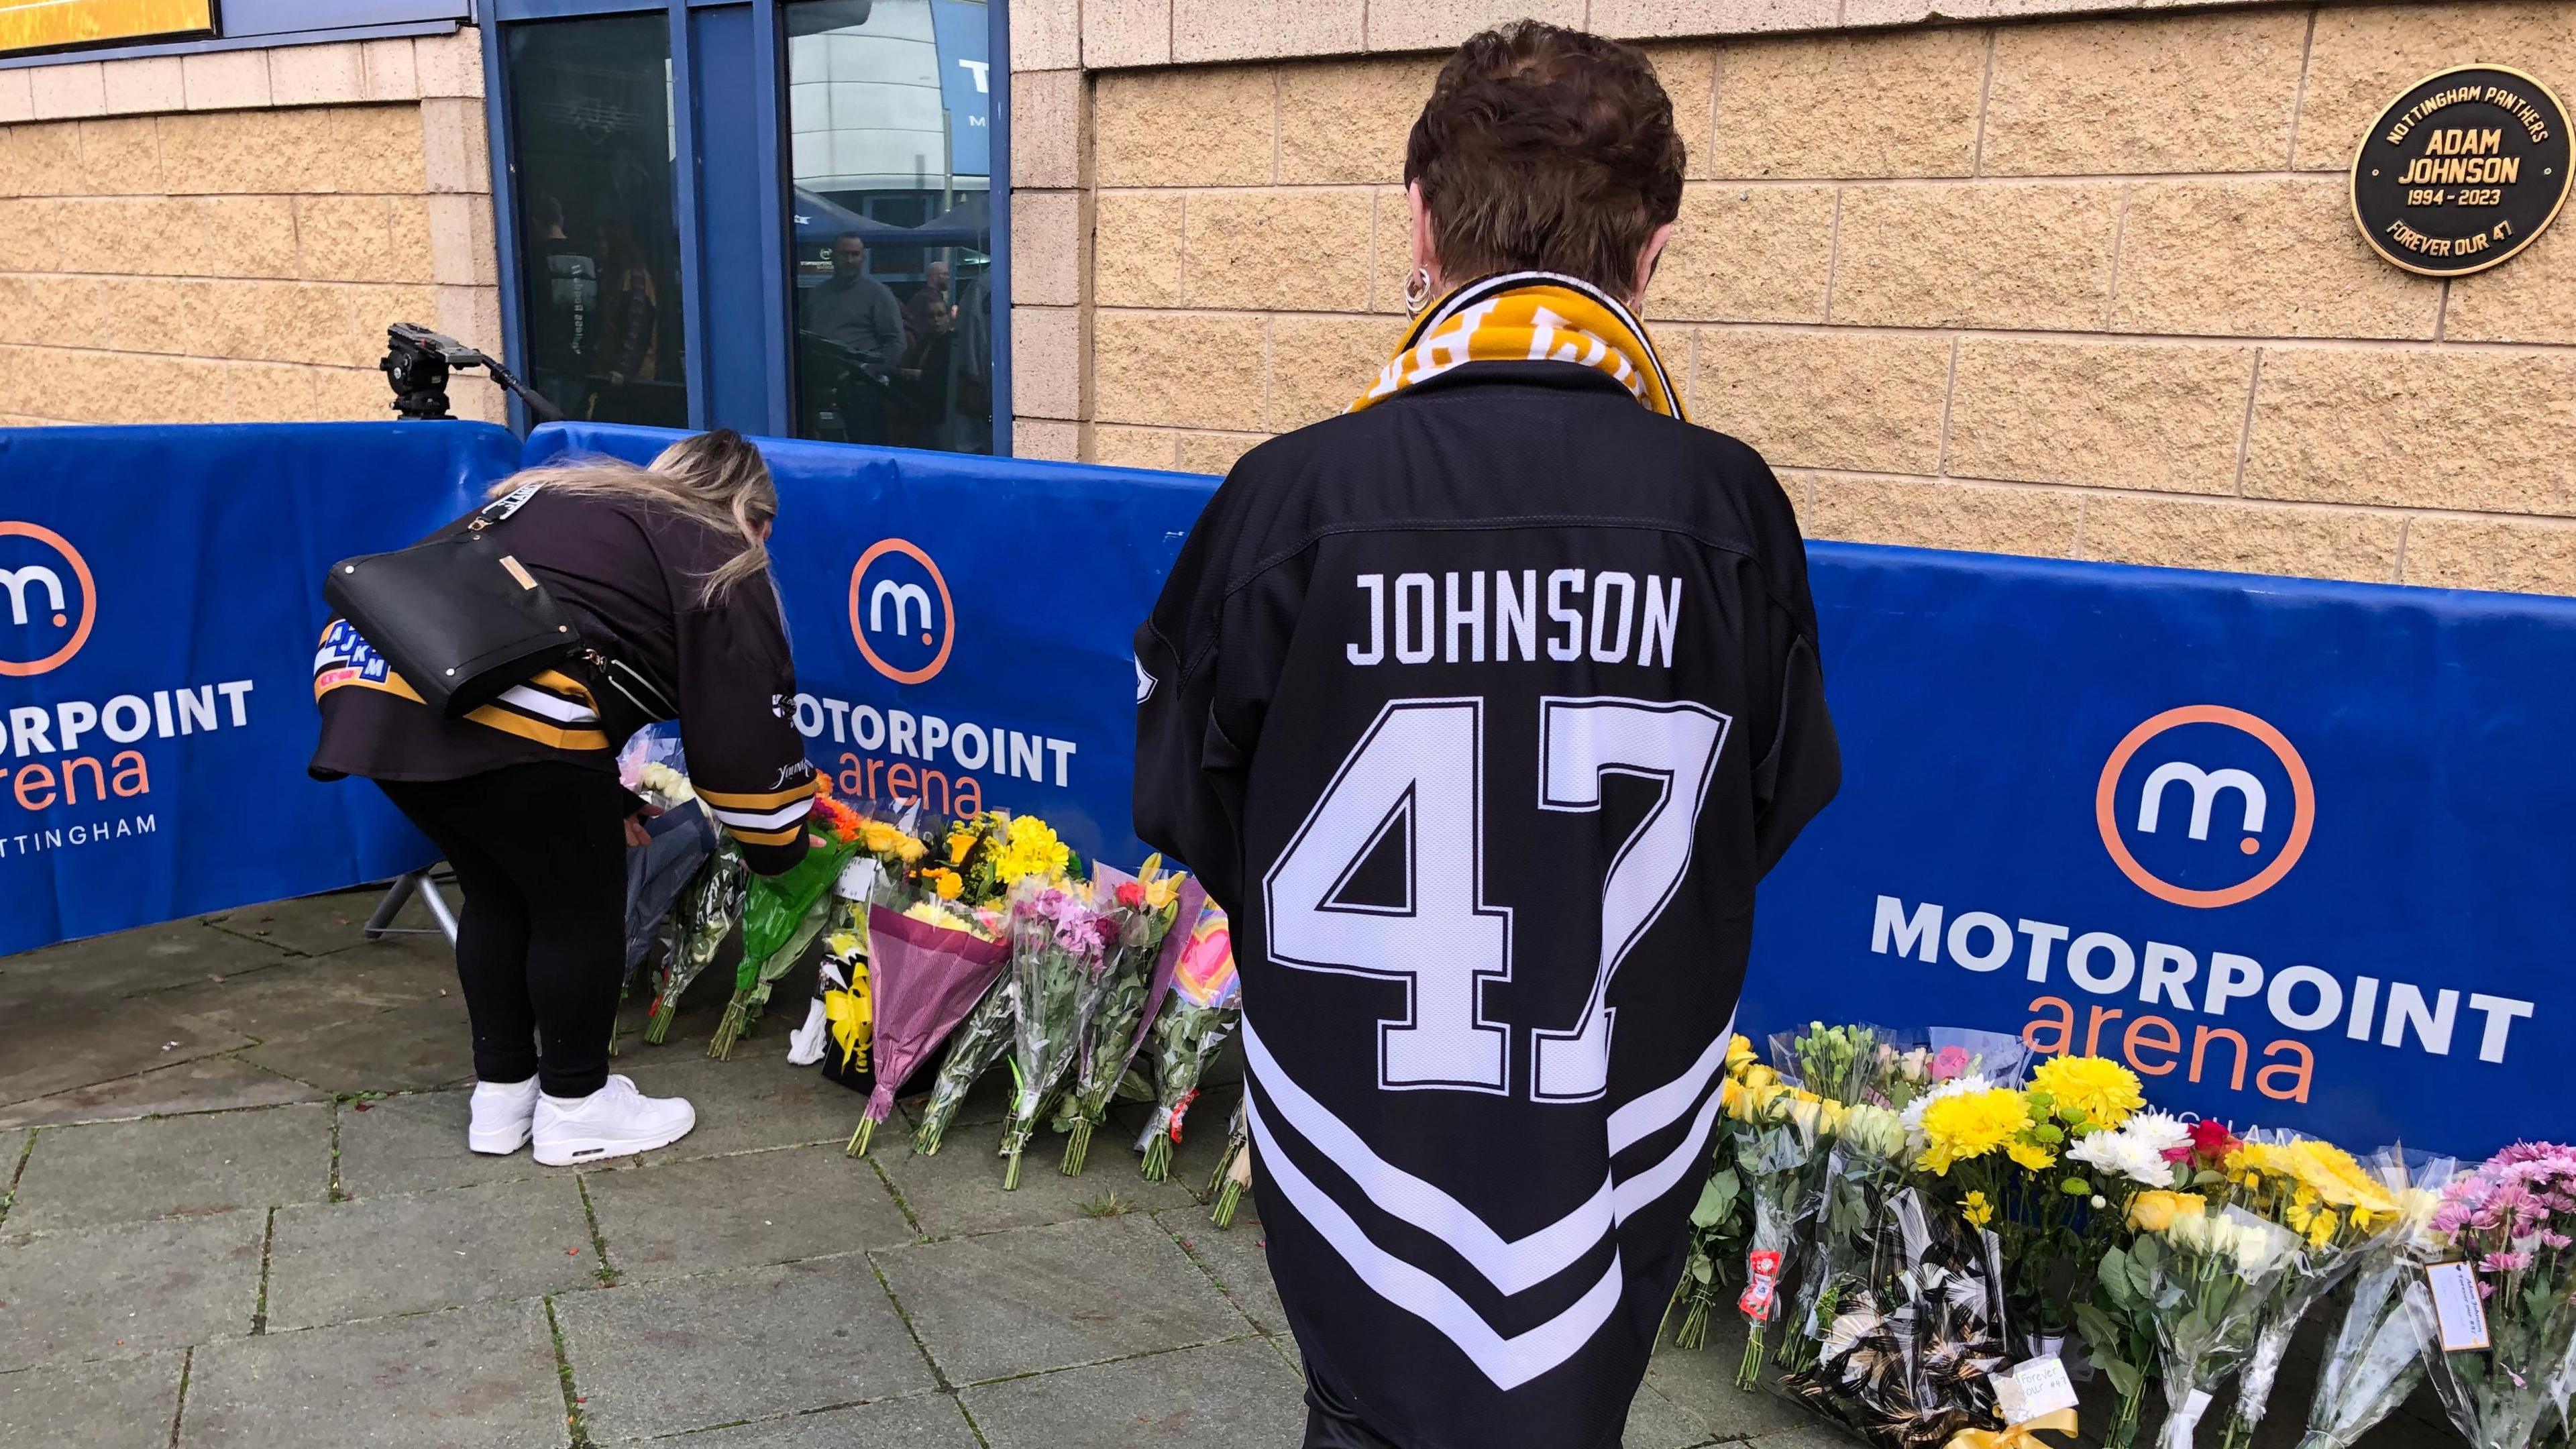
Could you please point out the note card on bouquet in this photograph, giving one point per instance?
(2457, 1307)
(2032, 1388)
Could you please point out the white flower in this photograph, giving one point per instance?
(2160, 1131)
(2122, 1153)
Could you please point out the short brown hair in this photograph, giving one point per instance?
(1546, 149)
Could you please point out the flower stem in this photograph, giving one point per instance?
(1011, 1174)
(1751, 1373)
(1077, 1148)
(1158, 1157)
(860, 1139)
(1228, 1197)
(1694, 1330)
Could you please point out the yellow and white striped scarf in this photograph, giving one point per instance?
(1529, 317)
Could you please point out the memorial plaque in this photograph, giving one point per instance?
(2462, 171)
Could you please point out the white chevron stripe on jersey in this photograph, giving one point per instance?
(1510, 1266)
(1636, 1193)
(1652, 1112)
(1509, 1362)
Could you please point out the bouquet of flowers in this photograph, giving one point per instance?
(876, 875)
(1865, 1169)
(927, 965)
(2207, 1285)
(1906, 1359)
(1196, 1020)
(2117, 1314)
(1143, 908)
(1789, 1127)
(2376, 1356)
(2510, 1224)
(1234, 1168)
(1834, 1062)
(783, 914)
(693, 933)
(977, 862)
(980, 1041)
(1060, 953)
(1722, 1218)
(2335, 1210)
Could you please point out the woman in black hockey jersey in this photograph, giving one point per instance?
(1482, 709)
(665, 572)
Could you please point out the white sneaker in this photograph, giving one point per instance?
(502, 1111)
(615, 1121)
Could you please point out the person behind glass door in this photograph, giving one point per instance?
(922, 309)
(567, 311)
(860, 325)
(665, 571)
(629, 332)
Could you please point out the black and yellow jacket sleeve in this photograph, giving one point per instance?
(737, 697)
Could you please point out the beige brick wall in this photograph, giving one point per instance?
(2082, 288)
(224, 237)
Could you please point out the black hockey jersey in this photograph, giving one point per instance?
(1482, 712)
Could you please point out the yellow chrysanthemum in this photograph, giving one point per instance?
(1031, 849)
(1970, 1125)
(878, 837)
(2032, 1156)
(2337, 1178)
(2321, 1231)
(1977, 1210)
(2106, 1092)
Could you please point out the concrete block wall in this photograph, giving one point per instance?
(2080, 286)
(224, 237)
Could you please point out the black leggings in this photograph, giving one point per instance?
(540, 851)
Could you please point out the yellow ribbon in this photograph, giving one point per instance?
(2024, 1435)
(847, 1011)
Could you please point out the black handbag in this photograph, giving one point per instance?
(457, 616)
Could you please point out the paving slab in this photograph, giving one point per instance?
(425, 1044)
(661, 1358)
(125, 1403)
(318, 925)
(108, 967)
(302, 996)
(923, 1421)
(208, 1084)
(666, 1218)
(469, 1378)
(98, 1041)
(1227, 1396)
(416, 1142)
(1656, 1422)
(755, 1100)
(1701, 1382)
(123, 1289)
(958, 1189)
(1235, 1257)
(334, 1262)
(1054, 1297)
(110, 1172)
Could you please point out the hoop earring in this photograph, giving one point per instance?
(1417, 291)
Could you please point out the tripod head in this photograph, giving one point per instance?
(417, 362)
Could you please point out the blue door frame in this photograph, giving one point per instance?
(728, 81)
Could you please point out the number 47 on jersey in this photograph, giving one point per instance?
(1418, 775)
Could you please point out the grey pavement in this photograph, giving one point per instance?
(236, 1209)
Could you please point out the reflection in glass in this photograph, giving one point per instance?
(599, 253)
(890, 123)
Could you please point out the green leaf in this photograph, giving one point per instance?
(2125, 1378)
